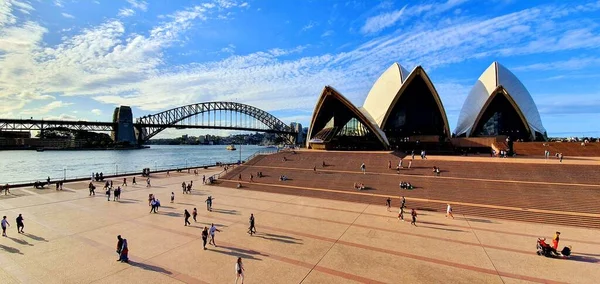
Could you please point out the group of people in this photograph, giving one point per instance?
(406, 185)
(154, 203)
(6, 189)
(548, 250)
(20, 225)
(413, 212)
(359, 186)
(436, 170)
(187, 188)
(283, 178)
(98, 176)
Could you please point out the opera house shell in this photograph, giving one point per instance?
(404, 107)
(499, 104)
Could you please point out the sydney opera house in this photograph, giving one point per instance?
(403, 108)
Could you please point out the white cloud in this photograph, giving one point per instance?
(390, 18)
(138, 4)
(244, 5)
(96, 111)
(126, 12)
(327, 33)
(309, 26)
(228, 49)
(66, 15)
(112, 65)
(58, 3)
(47, 108)
(562, 65)
(382, 21)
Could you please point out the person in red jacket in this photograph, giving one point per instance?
(555, 240)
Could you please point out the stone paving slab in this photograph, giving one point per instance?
(71, 238)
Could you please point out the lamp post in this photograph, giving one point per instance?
(240, 151)
(64, 173)
(116, 169)
(155, 167)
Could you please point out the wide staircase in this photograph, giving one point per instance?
(573, 149)
(550, 193)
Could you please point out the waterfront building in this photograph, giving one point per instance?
(404, 111)
(499, 104)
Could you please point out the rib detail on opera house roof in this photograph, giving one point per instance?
(406, 104)
(499, 104)
(336, 121)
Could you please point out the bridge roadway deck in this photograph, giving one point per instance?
(70, 238)
(550, 193)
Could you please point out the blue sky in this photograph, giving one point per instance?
(79, 59)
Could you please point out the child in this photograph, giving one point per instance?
(172, 197)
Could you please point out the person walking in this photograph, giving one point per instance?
(133, 181)
(555, 240)
(204, 237)
(183, 187)
(108, 194)
(194, 214)
(403, 202)
(20, 224)
(203, 179)
(187, 215)
(124, 181)
(117, 194)
(4, 223)
(148, 182)
(251, 178)
(388, 203)
(119, 246)
(124, 255)
(153, 204)
(92, 188)
(252, 228)
(449, 211)
(401, 214)
(413, 213)
(363, 168)
(6, 189)
(239, 270)
(172, 197)
(208, 201)
(212, 231)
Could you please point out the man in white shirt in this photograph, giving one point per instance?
(212, 231)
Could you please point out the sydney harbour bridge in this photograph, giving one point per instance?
(208, 115)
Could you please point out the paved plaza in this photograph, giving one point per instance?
(71, 238)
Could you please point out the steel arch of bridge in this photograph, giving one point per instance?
(150, 125)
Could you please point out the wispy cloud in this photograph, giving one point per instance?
(138, 4)
(58, 3)
(47, 108)
(126, 12)
(113, 65)
(309, 26)
(96, 111)
(327, 33)
(388, 19)
(382, 21)
(562, 65)
(66, 15)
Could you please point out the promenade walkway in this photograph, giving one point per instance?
(513, 189)
(71, 237)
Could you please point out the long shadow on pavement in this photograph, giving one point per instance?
(243, 253)
(34, 237)
(279, 238)
(225, 211)
(10, 250)
(20, 241)
(150, 267)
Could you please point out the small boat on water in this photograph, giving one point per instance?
(230, 147)
(40, 149)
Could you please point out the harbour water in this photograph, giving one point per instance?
(28, 166)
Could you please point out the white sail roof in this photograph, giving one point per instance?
(383, 92)
(493, 77)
